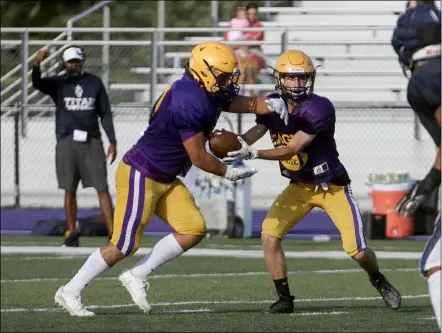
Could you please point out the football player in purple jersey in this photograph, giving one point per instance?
(308, 157)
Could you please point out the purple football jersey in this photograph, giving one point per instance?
(319, 161)
(183, 110)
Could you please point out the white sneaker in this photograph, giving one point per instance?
(137, 289)
(72, 303)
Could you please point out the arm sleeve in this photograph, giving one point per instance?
(105, 112)
(47, 85)
(319, 118)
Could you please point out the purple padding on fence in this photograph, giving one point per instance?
(23, 219)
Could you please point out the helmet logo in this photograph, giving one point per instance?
(296, 70)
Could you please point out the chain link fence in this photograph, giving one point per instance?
(370, 139)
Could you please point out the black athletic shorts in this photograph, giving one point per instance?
(83, 161)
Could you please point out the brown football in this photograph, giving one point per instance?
(222, 142)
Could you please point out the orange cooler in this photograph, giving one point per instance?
(385, 199)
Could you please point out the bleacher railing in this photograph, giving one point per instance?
(145, 43)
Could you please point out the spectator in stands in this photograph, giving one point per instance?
(242, 51)
(239, 21)
(256, 57)
(80, 99)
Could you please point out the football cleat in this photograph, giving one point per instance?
(283, 305)
(72, 303)
(72, 240)
(137, 289)
(390, 294)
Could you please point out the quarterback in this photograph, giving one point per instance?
(307, 154)
(146, 179)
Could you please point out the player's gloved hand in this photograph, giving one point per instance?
(411, 201)
(234, 174)
(278, 105)
(420, 192)
(245, 153)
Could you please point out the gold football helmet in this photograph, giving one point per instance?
(215, 66)
(294, 75)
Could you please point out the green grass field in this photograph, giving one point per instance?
(202, 294)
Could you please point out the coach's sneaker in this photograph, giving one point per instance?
(72, 303)
(71, 240)
(137, 289)
(282, 305)
(390, 294)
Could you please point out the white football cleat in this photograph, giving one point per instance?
(137, 289)
(72, 303)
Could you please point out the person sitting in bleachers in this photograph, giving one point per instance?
(240, 21)
(256, 59)
(241, 51)
(250, 58)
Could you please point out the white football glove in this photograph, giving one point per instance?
(411, 201)
(245, 153)
(278, 105)
(234, 174)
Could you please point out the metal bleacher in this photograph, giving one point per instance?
(349, 40)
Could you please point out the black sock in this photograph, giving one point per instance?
(376, 275)
(282, 287)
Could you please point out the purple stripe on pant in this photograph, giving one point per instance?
(128, 212)
(356, 214)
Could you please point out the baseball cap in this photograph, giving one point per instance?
(73, 53)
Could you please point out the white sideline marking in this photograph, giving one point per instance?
(208, 252)
(198, 275)
(91, 307)
(77, 257)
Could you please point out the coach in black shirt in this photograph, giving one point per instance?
(80, 99)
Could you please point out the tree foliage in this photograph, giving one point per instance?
(41, 13)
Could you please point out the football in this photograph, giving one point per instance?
(222, 142)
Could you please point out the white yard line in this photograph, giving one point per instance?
(305, 300)
(201, 252)
(211, 275)
(62, 257)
